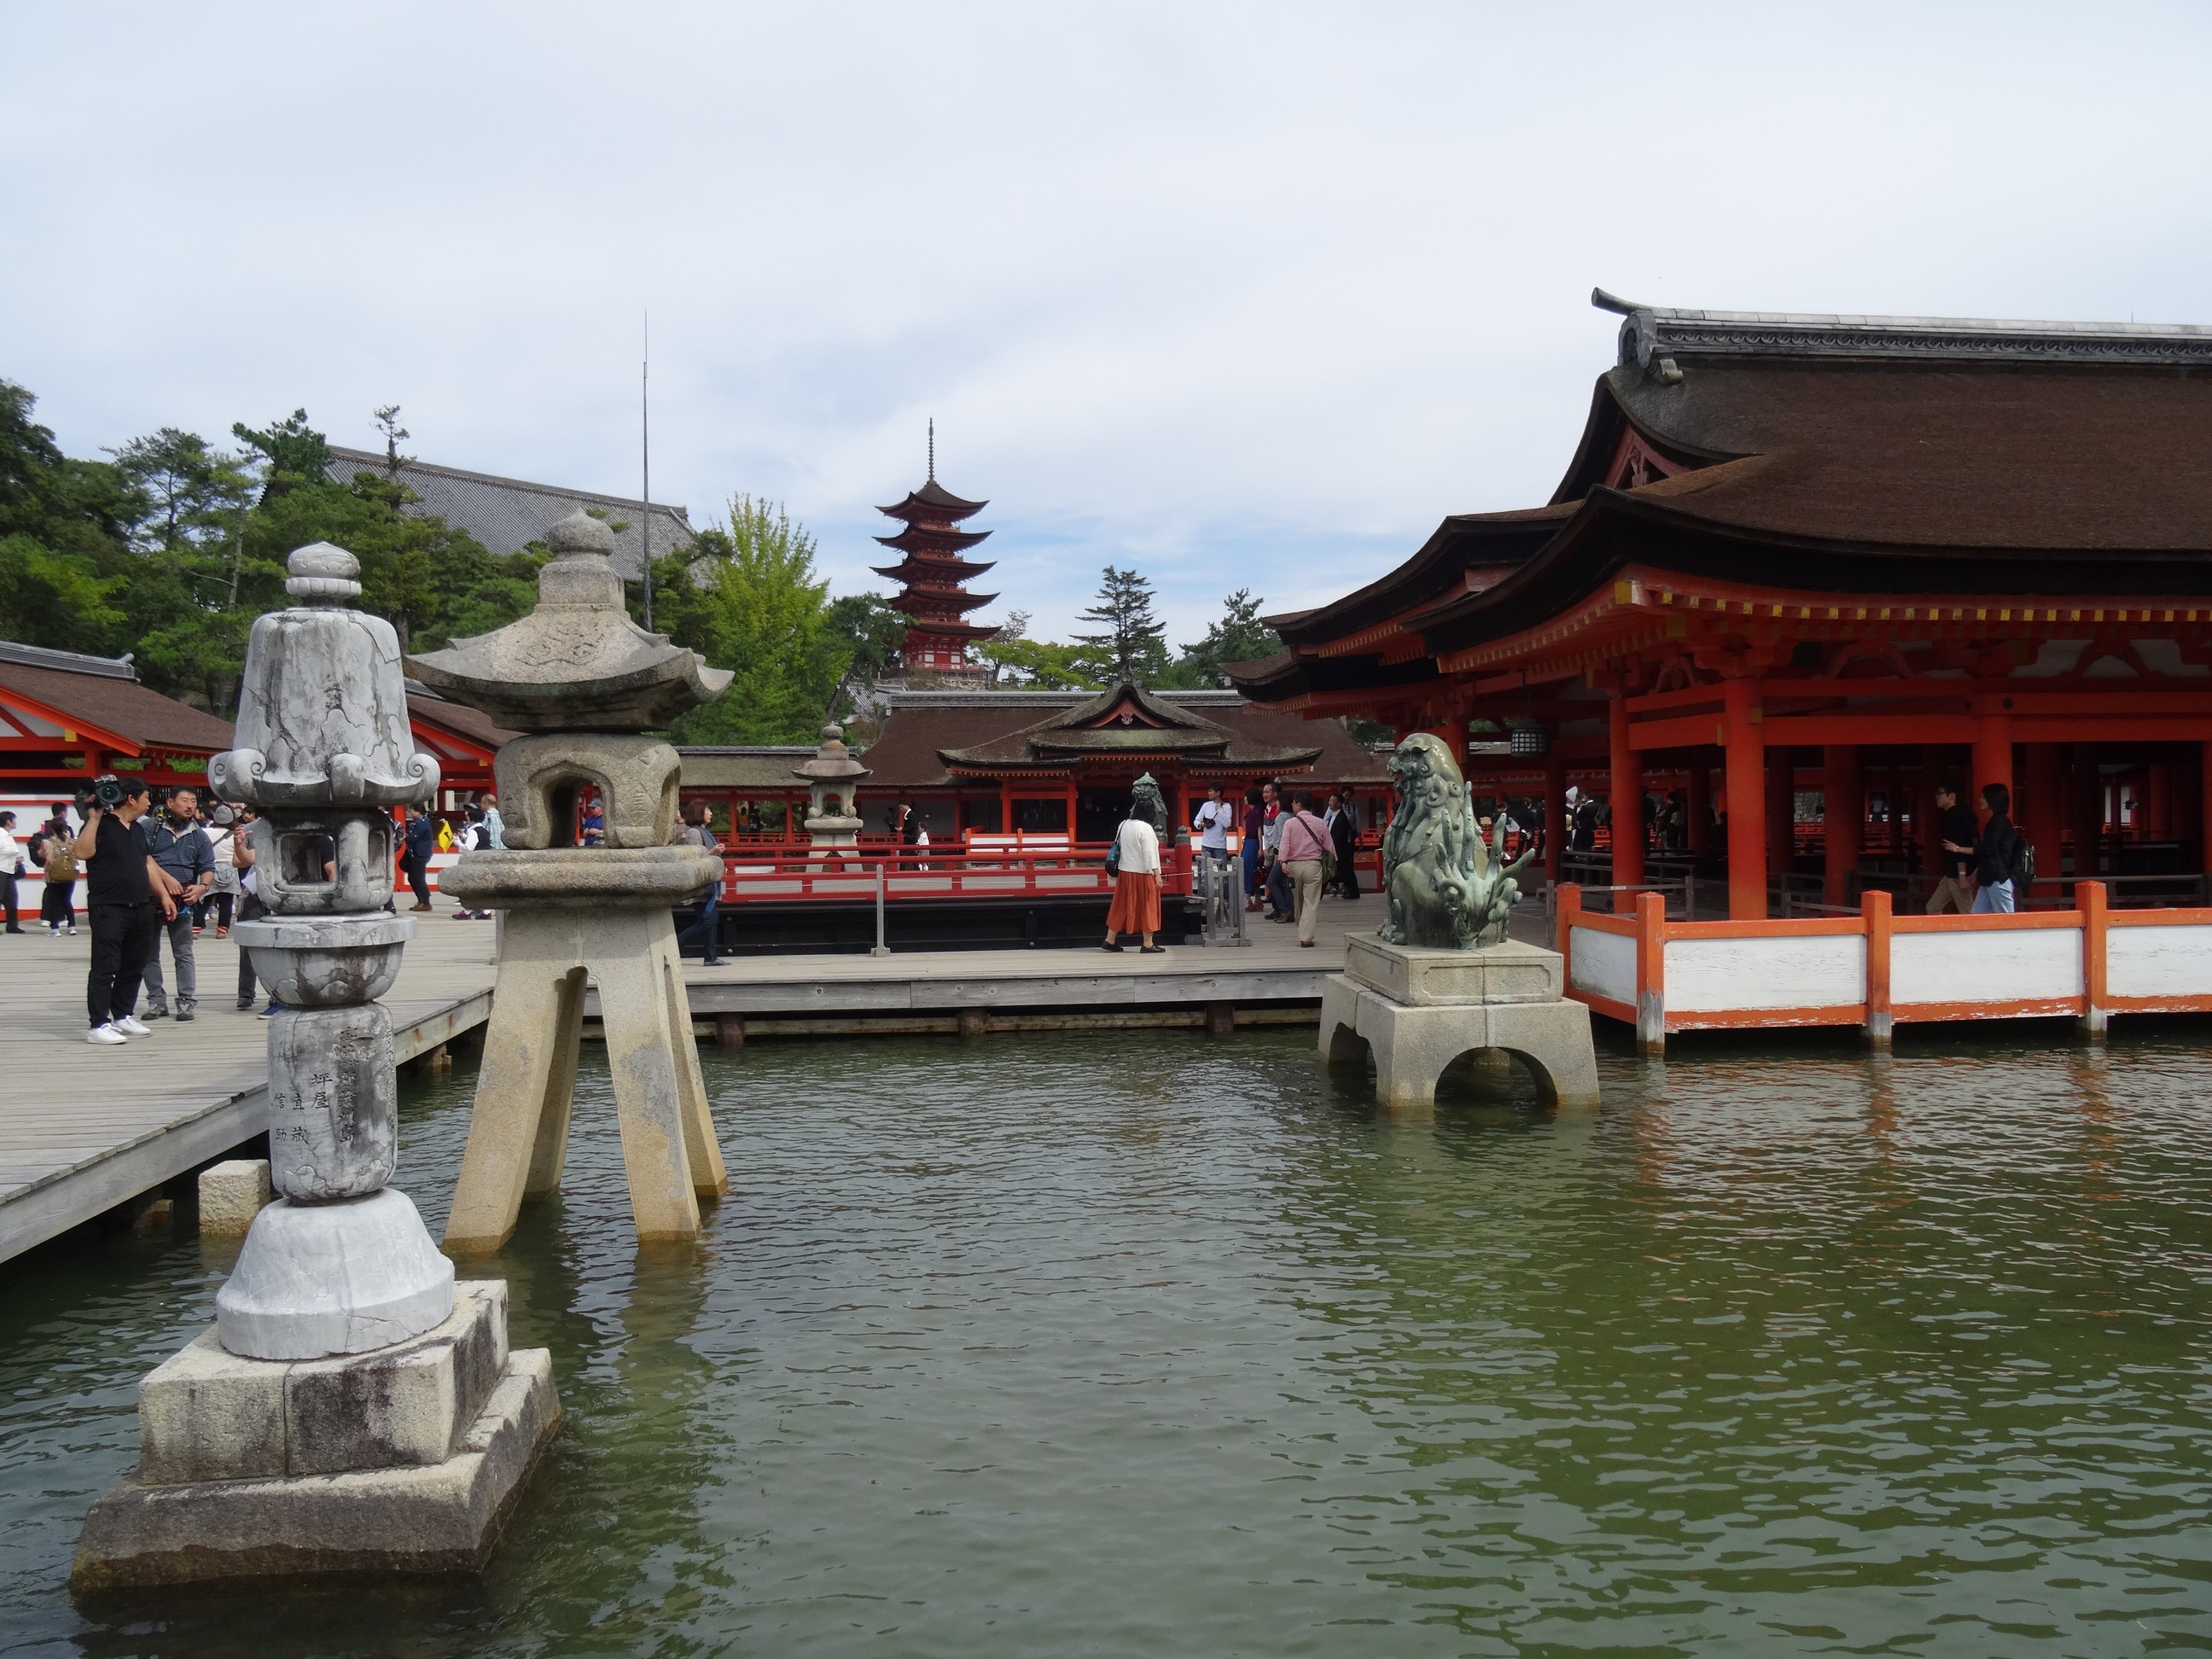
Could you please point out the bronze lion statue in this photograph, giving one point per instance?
(1443, 887)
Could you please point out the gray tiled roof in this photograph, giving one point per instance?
(507, 514)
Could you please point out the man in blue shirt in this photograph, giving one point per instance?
(421, 838)
(184, 857)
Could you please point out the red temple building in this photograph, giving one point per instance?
(934, 574)
(1801, 570)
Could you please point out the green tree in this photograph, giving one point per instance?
(294, 453)
(1131, 645)
(751, 602)
(193, 492)
(1238, 637)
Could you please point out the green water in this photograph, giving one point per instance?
(1151, 1345)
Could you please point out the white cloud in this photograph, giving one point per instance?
(1247, 295)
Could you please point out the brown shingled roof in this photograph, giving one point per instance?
(1941, 454)
(123, 706)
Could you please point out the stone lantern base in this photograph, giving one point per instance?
(1416, 1011)
(405, 1460)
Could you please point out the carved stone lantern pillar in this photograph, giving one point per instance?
(354, 1410)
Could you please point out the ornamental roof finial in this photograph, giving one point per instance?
(933, 449)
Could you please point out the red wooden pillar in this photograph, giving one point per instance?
(1780, 810)
(2160, 791)
(1747, 802)
(1555, 815)
(1875, 906)
(2086, 808)
(1071, 812)
(1992, 758)
(1700, 805)
(1842, 812)
(2204, 809)
(2042, 814)
(1626, 792)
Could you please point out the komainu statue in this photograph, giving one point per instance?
(1444, 887)
(1146, 802)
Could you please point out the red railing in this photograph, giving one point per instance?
(929, 872)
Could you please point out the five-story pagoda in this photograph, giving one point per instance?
(932, 572)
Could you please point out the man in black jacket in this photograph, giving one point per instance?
(1994, 854)
(1954, 824)
(126, 901)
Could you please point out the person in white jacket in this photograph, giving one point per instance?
(12, 867)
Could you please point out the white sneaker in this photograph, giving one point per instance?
(130, 1027)
(105, 1034)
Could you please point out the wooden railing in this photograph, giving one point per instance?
(1877, 968)
(926, 873)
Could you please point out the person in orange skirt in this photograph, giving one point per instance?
(1136, 907)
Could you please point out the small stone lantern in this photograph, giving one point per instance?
(833, 781)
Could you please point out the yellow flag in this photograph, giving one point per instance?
(446, 842)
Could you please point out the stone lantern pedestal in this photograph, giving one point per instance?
(353, 1410)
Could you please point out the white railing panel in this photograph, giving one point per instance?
(1604, 965)
(2159, 962)
(2010, 965)
(1711, 976)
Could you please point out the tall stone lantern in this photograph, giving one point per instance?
(353, 1409)
(584, 683)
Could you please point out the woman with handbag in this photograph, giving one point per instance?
(1134, 861)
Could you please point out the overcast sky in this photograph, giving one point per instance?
(1242, 295)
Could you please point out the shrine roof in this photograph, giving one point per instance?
(103, 694)
(924, 731)
(1858, 454)
(471, 724)
(763, 767)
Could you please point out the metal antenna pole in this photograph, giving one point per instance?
(645, 440)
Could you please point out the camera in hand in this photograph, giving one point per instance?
(108, 793)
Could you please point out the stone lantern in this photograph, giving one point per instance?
(833, 781)
(584, 683)
(354, 1409)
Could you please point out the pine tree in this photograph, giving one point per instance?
(1133, 645)
(1238, 637)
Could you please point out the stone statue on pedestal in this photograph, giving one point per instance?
(354, 1410)
(1439, 979)
(583, 682)
(1445, 887)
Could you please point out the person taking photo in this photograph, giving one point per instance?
(126, 901)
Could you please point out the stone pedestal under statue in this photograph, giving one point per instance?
(1416, 1011)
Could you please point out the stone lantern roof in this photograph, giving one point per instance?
(577, 662)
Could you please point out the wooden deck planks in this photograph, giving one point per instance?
(84, 1128)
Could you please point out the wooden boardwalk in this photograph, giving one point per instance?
(981, 990)
(83, 1130)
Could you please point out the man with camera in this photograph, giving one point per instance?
(126, 900)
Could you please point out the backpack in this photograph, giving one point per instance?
(2020, 868)
(61, 859)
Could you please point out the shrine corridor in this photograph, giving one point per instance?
(1146, 1343)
